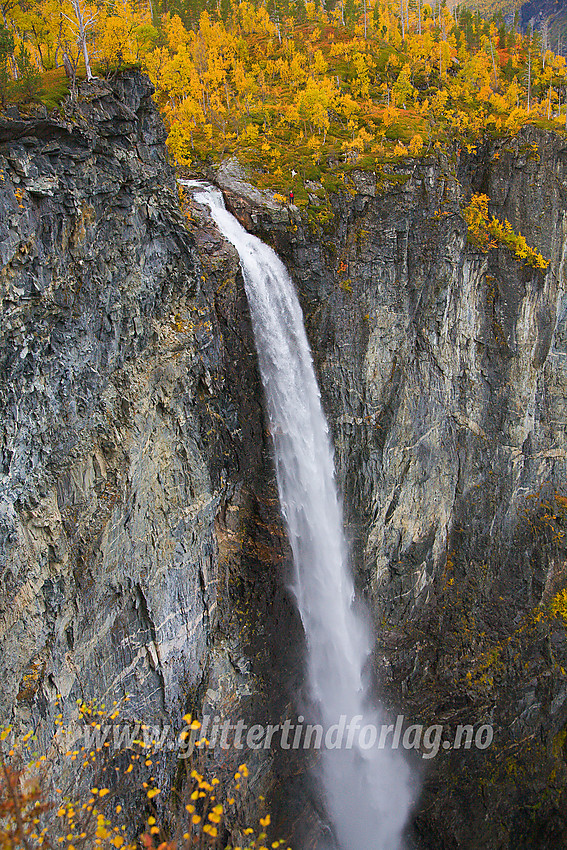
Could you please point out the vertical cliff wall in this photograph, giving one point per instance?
(107, 493)
(132, 441)
(443, 372)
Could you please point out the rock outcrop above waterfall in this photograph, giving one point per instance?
(444, 376)
(107, 492)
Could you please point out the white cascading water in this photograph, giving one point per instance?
(367, 792)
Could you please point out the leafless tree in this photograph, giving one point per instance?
(81, 25)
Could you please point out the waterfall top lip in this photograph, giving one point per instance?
(200, 188)
(196, 184)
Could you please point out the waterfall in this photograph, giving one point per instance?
(367, 791)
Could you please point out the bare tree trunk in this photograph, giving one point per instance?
(71, 72)
(58, 41)
(493, 62)
(38, 47)
(544, 39)
(82, 36)
(529, 77)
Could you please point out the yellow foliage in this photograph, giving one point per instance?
(516, 118)
(128, 34)
(26, 818)
(558, 607)
(389, 116)
(416, 145)
(486, 232)
(258, 84)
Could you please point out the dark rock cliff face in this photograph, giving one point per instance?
(142, 545)
(133, 448)
(443, 373)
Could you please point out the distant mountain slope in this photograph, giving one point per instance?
(548, 17)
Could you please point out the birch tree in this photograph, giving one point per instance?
(81, 22)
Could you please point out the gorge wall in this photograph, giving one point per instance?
(443, 375)
(143, 552)
(132, 438)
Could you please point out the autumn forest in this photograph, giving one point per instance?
(300, 91)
